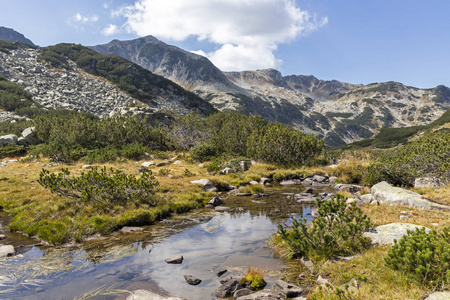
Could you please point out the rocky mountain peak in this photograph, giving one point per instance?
(9, 34)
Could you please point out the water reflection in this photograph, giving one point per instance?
(209, 242)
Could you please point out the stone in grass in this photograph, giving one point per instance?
(2, 237)
(288, 289)
(216, 201)
(385, 234)
(439, 296)
(147, 164)
(175, 260)
(192, 280)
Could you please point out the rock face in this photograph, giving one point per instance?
(148, 295)
(384, 193)
(341, 112)
(9, 34)
(385, 234)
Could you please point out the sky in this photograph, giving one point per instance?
(356, 41)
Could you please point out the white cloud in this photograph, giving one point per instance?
(110, 30)
(83, 19)
(247, 31)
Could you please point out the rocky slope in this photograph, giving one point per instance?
(338, 111)
(9, 34)
(76, 88)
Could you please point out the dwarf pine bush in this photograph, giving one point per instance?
(101, 187)
(423, 256)
(337, 231)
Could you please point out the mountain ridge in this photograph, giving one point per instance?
(9, 34)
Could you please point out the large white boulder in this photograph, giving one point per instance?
(385, 234)
(384, 193)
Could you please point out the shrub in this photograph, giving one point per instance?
(423, 256)
(204, 151)
(101, 187)
(164, 171)
(337, 231)
(11, 150)
(133, 151)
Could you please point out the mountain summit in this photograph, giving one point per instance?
(9, 34)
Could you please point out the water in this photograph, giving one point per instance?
(108, 268)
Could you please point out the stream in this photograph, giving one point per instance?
(111, 266)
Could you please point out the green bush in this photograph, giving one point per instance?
(425, 257)
(337, 231)
(12, 150)
(133, 151)
(204, 151)
(101, 187)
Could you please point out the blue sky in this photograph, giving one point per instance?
(357, 41)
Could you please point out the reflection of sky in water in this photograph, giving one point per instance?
(232, 240)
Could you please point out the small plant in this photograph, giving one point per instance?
(254, 278)
(188, 173)
(256, 189)
(213, 167)
(424, 256)
(101, 187)
(164, 171)
(337, 231)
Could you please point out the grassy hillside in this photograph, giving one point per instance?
(392, 137)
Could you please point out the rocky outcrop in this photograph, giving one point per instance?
(384, 193)
(385, 234)
(341, 112)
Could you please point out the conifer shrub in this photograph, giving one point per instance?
(424, 256)
(338, 231)
(102, 188)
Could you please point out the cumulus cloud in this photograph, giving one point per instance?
(110, 30)
(247, 32)
(83, 19)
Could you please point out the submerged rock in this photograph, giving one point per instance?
(192, 280)
(384, 193)
(385, 234)
(148, 295)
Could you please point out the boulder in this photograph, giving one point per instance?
(192, 280)
(244, 165)
(216, 201)
(385, 234)
(207, 185)
(365, 199)
(439, 296)
(227, 171)
(352, 188)
(320, 179)
(175, 260)
(288, 289)
(264, 181)
(242, 292)
(427, 182)
(262, 295)
(29, 136)
(177, 162)
(290, 182)
(228, 288)
(147, 164)
(163, 163)
(7, 250)
(332, 179)
(384, 193)
(148, 295)
(8, 139)
(253, 182)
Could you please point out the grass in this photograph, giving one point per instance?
(37, 212)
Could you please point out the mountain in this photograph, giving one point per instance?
(337, 111)
(74, 77)
(9, 34)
